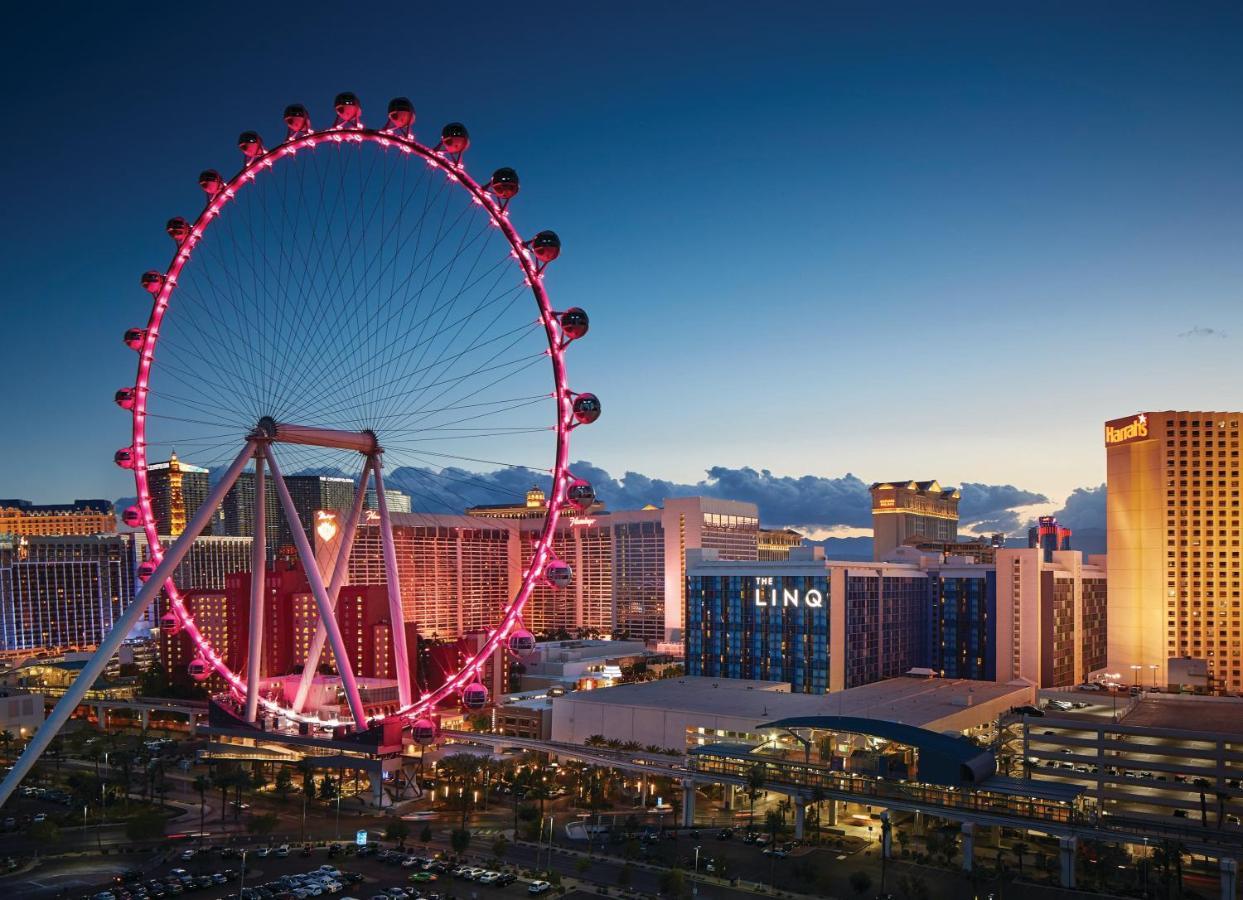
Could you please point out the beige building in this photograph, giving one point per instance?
(82, 517)
(904, 512)
(1051, 616)
(1173, 532)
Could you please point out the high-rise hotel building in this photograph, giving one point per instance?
(177, 489)
(1173, 526)
(904, 512)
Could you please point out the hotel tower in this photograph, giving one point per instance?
(1173, 530)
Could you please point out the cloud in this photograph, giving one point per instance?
(1084, 509)
(1200, 331)
(987, 508)
(812, 502)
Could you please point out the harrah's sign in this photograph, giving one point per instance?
(1122, 431)
(768, 596)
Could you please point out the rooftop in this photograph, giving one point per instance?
(912, 701)
(1223, 715)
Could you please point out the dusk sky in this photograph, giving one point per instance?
(900, 241)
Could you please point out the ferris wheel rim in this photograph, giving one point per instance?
(533, 272)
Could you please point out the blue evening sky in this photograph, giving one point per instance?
(902, 240)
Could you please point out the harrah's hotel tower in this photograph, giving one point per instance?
(1173, 530)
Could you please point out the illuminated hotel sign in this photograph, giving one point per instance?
(1123, 431)
(325, 525)
(812, 598)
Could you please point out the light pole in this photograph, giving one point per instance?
(241, 879)
(1153, 667)
(1113, 690)
(1136, 668)
(695, 882)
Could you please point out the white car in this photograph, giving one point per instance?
(263, 851)
(539, 887)
(187, 855)
(489, 877)
(282, 850)
(329, 870)
(409, 862)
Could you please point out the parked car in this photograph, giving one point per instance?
(539, 887)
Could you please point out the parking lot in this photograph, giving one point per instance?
(293, 873)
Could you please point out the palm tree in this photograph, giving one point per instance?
(1019, 849)
(6, 741)
(817, 798)
(614, 743)
(632, 746)
(201, 784)
(222, 780)
(653, 748)
(463, 768)
(755, 781)
(596, 740)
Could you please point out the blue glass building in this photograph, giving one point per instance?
(962, 623)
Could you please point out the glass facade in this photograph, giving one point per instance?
(729, 635)
(962, 625)
(885, 626)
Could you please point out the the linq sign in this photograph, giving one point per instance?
(767, 596)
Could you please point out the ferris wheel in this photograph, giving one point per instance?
(350, 302)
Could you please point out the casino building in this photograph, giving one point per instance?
(1173, 521)
(824, 625)
(904, 512)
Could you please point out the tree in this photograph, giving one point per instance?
(755, 781)
(425, 836)
(284, 784)
(773, 824)
(596, 740)
(481, 723)
(396, 830)
(860, 882)
(263, 824)
(201, 784)
(147, 826)
(1019, 849)
(459, 839)
(6, 741)
(673, 883)
(45, 833)
(328, 788)
(623, 877)
(500, 847)
(222, 780)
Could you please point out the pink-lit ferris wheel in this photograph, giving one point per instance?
(350, 302)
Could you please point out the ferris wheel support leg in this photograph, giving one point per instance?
(340, 571)
(258, 577)
(401, 657)
(320, 593)
(94, 667)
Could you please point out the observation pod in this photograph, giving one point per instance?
(178, 229)
(146, 570)
(124, 457)
(347, 107)
(475, 696)
(135, 338)
(454, 138)
(199, 669)
(504, 183)
(169, 623)
(132, 516)
(125, 398)
(152, 280)
(559, 574)
(211, 182)
(586, 408)
(297, 119)
(580, 495)
(546, 246)
(574, 323)
(522, 642)
(400, 113)
(251, 145)
(423, 731)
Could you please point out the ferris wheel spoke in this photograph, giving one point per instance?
(426, 259)
(408, 351)
(482, 369)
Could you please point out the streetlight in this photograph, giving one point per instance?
(1113, 690)
(241, 879)
(1154, 667)
(695, 882)
(1136, 668)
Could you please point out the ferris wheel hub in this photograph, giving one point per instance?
(269, 429)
